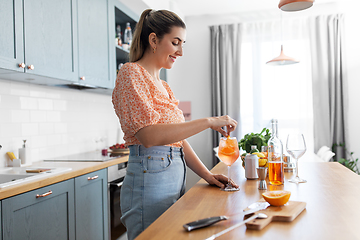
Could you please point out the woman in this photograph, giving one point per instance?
(154, 126)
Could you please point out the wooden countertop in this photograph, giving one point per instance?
(332, 196)
(77, 169)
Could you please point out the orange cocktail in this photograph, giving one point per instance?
(228, 150)
(228, 154)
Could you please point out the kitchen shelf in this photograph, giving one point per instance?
(119, 14)
(122, 55)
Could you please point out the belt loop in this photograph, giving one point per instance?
(171, 152)
(138, 152)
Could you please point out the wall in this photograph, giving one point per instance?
(351, 9)
(54, 121)
(190, 76)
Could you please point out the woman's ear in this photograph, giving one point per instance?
(152, 40)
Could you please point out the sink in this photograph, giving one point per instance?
(18, 175)
(5, 178)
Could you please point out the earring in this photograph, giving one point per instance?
(154, 49)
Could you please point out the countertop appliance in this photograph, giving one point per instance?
(94, 156)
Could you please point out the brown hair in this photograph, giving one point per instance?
(159, 22)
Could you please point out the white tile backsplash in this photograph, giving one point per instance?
(28, 103)
(29, 129)
(60, 105)
(45, 104)
(46, 128)
(20, 116)
(10, 102)
(9, 130)
(38, 116)
(19, 91)
(53, 116)
(54, 121)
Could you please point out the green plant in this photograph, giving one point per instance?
(258, 139)
(351, 163)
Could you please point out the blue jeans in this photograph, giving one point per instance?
(155, 179)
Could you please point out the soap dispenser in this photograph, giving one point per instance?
(24, 154)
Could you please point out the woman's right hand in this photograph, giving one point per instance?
(217, 124)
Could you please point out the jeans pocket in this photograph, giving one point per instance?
(157, 164)
(126, 192)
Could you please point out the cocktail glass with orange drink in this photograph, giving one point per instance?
(228, 154)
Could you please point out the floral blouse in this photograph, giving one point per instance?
(139, 103)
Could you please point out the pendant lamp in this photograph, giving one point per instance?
(295, 5)
(282, 59)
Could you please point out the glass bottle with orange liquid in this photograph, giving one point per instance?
(228, 154)
(275, 156)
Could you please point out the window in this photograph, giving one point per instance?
(281, 92)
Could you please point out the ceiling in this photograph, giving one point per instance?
(253, 8)
(211, 7)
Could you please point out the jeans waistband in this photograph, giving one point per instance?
(141, 150)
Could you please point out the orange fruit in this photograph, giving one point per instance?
(277, 198)
(228, 151)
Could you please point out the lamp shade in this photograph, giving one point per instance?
(295, 5)
(282, 59)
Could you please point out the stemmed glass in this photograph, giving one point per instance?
(295, 145)
(228, 154)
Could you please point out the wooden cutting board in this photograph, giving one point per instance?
(286, 213)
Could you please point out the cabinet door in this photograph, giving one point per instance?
(93, 43)
(11, 35)
(28, 216)
(91, 206)
(50, 38)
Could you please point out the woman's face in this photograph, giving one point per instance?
(170, 47)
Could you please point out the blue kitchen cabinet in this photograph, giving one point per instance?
(44, 213)
(93, 43)
(91, 206)
(38, 37)
(11, 35)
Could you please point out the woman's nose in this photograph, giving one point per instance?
(180, 51)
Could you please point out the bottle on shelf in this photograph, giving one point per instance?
(275, 156)
(118, 40)
(127, 35)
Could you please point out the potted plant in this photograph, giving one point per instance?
(258, 139)
(350, 163)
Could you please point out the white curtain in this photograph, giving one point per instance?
(329, 81)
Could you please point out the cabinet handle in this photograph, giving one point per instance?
(92, 178)
(21, 65)
(82, 78)
(31, 67)
(43, 195)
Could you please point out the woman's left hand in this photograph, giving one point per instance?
(219, 180)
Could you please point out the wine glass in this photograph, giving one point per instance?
(295, 145)
(228, 154)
